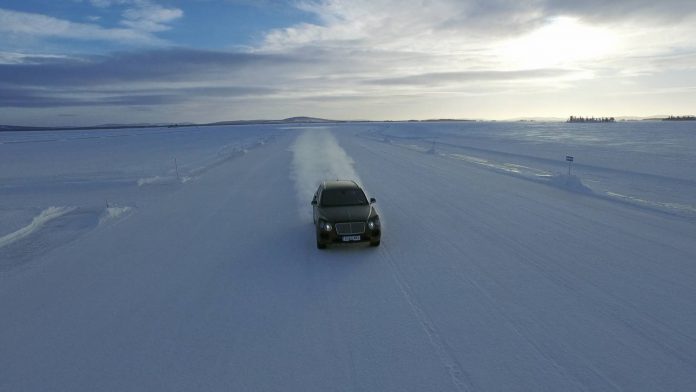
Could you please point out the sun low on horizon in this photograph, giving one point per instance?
(561, 41)
(107, 61)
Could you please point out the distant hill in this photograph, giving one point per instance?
(290, 120)
(293, 120)
(17, 128)
(307, 120)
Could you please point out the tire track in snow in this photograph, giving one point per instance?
(318, 156)
(515, 328)
(460, 378)
(502, 312)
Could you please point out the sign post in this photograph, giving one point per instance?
(570, 161)
(176, 165)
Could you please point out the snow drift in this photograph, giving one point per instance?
(571, 183)
(39, 221)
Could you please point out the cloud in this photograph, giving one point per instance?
(414, 25)
(27, 59)
(146, 16)
(365, 58)
(43, 26)
(173, 76)
(161, 65)
(149, 77)
(450, 78)
(143, 15)
(101, 3)
(618, 10)
(141, 19)
(444, 24)
(440, 36)
(25, 98)
(29, 97)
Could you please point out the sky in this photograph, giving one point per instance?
(88, 62)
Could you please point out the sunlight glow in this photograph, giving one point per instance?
(564, 41)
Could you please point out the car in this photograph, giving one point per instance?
(343, 214)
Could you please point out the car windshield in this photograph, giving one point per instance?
(343, 197)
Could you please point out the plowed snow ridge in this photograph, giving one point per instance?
(46, 215)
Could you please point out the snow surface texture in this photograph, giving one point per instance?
(647, 164)
(103, 174)
(496, 272)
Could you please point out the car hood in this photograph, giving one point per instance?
(346, 214)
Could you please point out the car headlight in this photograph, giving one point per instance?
(326, 226)
(373, 224)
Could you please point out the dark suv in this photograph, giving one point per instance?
(342, 214)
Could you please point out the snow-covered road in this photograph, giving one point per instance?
(483, 282)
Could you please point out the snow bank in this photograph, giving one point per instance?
(157, 180)
(570, 183)
(317, 156)
(667, 207)
(45, 216)
(113, 212)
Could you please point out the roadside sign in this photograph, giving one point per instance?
(569, 158)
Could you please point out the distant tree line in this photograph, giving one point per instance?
(680, 118)
(576, 119)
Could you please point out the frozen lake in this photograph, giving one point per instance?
(184, 258)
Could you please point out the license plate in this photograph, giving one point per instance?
(349, 238)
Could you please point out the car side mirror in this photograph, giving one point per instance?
(373, 200)
(314, 202)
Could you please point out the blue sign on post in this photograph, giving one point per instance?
(569, 159)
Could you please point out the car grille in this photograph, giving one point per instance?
(350, 228)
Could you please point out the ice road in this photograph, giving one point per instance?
(495, 272)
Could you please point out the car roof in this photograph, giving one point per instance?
(341, 184)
